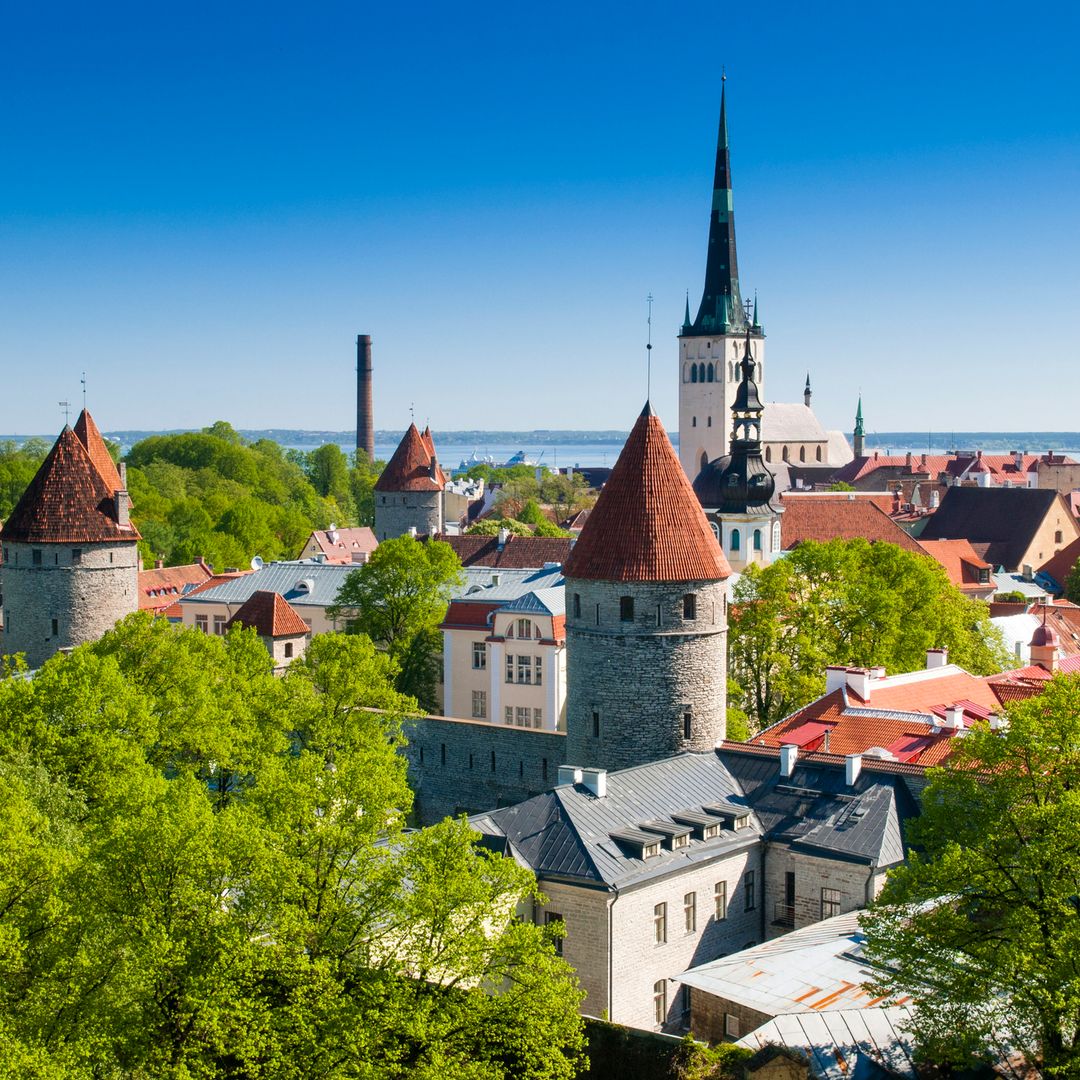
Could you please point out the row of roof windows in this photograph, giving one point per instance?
(648, 838)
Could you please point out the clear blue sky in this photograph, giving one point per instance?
(202, 205)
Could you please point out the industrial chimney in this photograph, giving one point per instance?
(365, 418)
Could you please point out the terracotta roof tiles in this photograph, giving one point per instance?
(837, 517)
(411, 467)
(161, 586)
(518, 553)
(271, 615)
(89, 435)
(647, 524)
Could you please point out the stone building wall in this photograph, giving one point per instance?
(641, 677)
(451, 765)
(398, 511)
(709, 1018)
(80, 595)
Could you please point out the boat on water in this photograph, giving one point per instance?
(520, 458)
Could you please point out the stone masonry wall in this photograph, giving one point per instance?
(642, 676)
(85, 597)
(708, 1017)
(397, 512)
(451, 770)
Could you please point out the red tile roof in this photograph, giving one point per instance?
(999, 467)
(175, 612)
(926, 693)
(67, 502)
(647, 524)
(161, 586)
(89, 435)
(518, 553)
(411, 467)
(467, 615)
(344, 544)
(961, 563)
(271, 615)
(1061, 562)
(839, 517)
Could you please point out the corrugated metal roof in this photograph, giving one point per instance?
(501, 586)
(540, 602)
(282, 578)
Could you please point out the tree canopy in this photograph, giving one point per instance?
(847, 602)
(204, 873)
(982, 926)
(398, 598)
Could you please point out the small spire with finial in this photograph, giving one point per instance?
(648, 348)
(83, 381)
(66, 406)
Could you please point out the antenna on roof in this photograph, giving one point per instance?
(648, 351)
(66, 406)
(83, 381)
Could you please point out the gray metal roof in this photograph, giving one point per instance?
(282, 578)
(490, 586)
(550, 601)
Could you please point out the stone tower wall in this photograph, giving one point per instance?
(398, 511)
(642, 677)
(85, 594)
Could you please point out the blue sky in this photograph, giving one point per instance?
(202, 205)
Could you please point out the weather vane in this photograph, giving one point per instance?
(648, 350)
(748, 305)
(66, 406)
(83, 381)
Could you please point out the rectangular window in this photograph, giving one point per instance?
(219, 625)
(509, 668)
(689, 606)
(479, 655)
(595, 724)
(56, 628)
(35, 557)
(577, 603)
(442, 753)
(689, 902)
(524, 628)
(538, 718)
(659, 924)
(554, 919)
(524, 669)
(731, 1026)
(720, 896)
(543, 768)
(201, 623)
(524, 719)
(749, 892)
(538, 670)
(659, 994)
(626, 608)
(76, 556)
(479, 704)
(687, 724)
(830, 903)
(508, 715)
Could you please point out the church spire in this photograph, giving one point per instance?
(806, 391)
(721, 266)
(859, 434)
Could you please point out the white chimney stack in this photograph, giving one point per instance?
(569, 774)
(954, 717)
(858, 679)
(835, 677)
(504, 535)
(595, 780)
(852, 768)
(936, 658)
(789, 753)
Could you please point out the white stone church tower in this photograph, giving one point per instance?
(711, 347)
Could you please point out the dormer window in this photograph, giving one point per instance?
(637, 843)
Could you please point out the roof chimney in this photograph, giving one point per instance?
(570, 774)
(907, 462)
(954, 717)
(789, 752)
(504, 535)
(835, 677)
(852, 768)
(123, 508)
(595, 780)
(936, 658)
(935, 499)
(858, 680)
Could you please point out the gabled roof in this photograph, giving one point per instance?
(67, 502)
(960, 561)
(301, 582)
(412, 466)
(1005, 519)
(647, 524)
(1059, 564)
(161, 586)
(271, 615)
(839, 517)
(517, 553)
(785, 421)
(89, 435)
(540, 602)
(340, 545)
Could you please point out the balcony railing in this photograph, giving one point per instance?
(784, 914)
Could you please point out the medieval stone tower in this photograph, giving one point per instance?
(646, 615)
(711, 346)
(409, 493)
(70, 568)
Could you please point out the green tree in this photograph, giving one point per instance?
(982, 926)
(847, 602)
(493, 526)
(840, 485)
(1072, 584)
(398, 598)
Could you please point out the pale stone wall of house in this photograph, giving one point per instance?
(396, 512)
(639, 962)
(215, 614)
(1059, 476)
(465, 766)
(85, 594)
(705, 407)
(283, 651)
(642, 677)
(856, 882)
(1058, 530)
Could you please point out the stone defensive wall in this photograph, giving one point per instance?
(465, 766)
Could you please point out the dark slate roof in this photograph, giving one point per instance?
(566, 832)
(1004, 519)
(517, 553)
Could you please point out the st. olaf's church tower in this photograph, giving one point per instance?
(711, 347)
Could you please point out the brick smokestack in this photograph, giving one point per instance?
(365, 418)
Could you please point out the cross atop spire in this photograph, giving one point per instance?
(721, 309)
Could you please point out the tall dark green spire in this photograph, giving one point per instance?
(859, 419)
(721, 308)
(686, 317)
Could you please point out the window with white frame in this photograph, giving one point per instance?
(538, 718)
(524, 716)
(219, 625)
(524, 669)
(508, 715)
(749, 890)
(201, 623)
(690, 912)
(538, 670)
(731, 1026)
(524, 628)
(660, 1001)
(479, 704)
(509, 668)
(659, 924)
(720, 898)
(479, 655)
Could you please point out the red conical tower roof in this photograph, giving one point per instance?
(410, 468)
(647, 524)
(89, 435)
(67, 502)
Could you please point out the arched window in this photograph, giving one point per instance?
(693, 372)
(715, 530)
(757, 539)
(784, 454)
(704, 459)
(734, 539)
(710, 373)
(768, 453)
(701, 373)
(819, 453)
(802, 453)
(686, 373)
